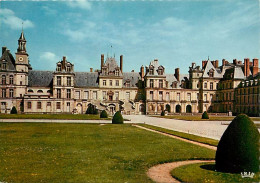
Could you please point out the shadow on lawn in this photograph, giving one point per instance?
(210, 167)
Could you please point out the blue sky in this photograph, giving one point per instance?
(175, 32)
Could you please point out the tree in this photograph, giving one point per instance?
(13, 110)
(103, 114)
(91, 109)
(118, 118)
(205, 115)
(163, 113)
(238, 148)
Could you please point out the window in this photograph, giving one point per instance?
(128, 95)
(3, 93)
(211, 74)
(39, 91)
(39, 105)
(205, 97)
(58, 93)
(21, 83)
(11, 93)
(117, 82)
(211, 96)
(117, 95)
(68, 81)
(160, 83)
(104, 82)
(211, 86)
(86, 94)
(58, 80)
(198, 96)
(68, 104)
(59, 68)
(4, 66)
(68, 93)
(77, 95)
(151, 71)
(30, 91)
(160, 95)
(151, 83)
(117, 73)
(151, 95)
(29, 105)
(104, 95)
(167, 96)
(178, 96)
(11, 80)
(3, 79)
(48, 103)
(68, 68)
(205, 85)
(58, 105)
(160, 72)
(174, 84)
(110, 82)
(95, 95)
(127, 84)
(198, 84)
(188, 97)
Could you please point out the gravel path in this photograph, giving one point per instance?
(162, 173)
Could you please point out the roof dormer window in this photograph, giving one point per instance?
(58, 67)
(160, 72)
(151, 71)
(117, 72)
(68, 68)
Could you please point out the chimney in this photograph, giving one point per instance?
(142, 72)
(177, 74)
(203, 64)
(3, 50)
(250, 64)
(121, 63)
(64, 59)
(246, 67)
(235, 61)
(133, 71)
(91, 69)
(213, 63)
(239, 62)
(193, 64)
(223, 62)
(255, 66)
(102, 60)
(63, 62)
(216, 63)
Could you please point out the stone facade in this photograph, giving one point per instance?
(210, 88)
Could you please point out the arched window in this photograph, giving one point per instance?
(39, 91)
(30, 91)
(3, 80)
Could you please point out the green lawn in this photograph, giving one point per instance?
(195, 138)
(48, 152)
(204, 172)
(198, 118)
(52, 116)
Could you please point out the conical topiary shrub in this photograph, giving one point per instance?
(205, 115)
(13, 110)
(163, 113)
(118, 118)
(103, 114)
(238, 148)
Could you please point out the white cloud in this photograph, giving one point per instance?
(8, 17)
(49, 57)
(82, 4)
(49, 11)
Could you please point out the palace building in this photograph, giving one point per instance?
(231, 87)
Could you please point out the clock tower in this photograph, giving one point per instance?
(21, 60)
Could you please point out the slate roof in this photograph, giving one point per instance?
(209, 66)
(171, 78)
(86, 79)
(111, 64)
(40, 78)
(9, 60)
(133, 77)
(155, 64)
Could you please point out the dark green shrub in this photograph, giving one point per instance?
(13, 110)
(205, 115)
(91, 109)
(118, 118)
(163, 113)
(238, 148)
(103, 114)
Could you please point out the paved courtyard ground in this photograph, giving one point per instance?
(210, 129)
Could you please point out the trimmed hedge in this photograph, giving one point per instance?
(13, 110)
(103, 114)
(205, 115)
(238, 148)
(91, 109)
(118, 118)
(163, 113)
